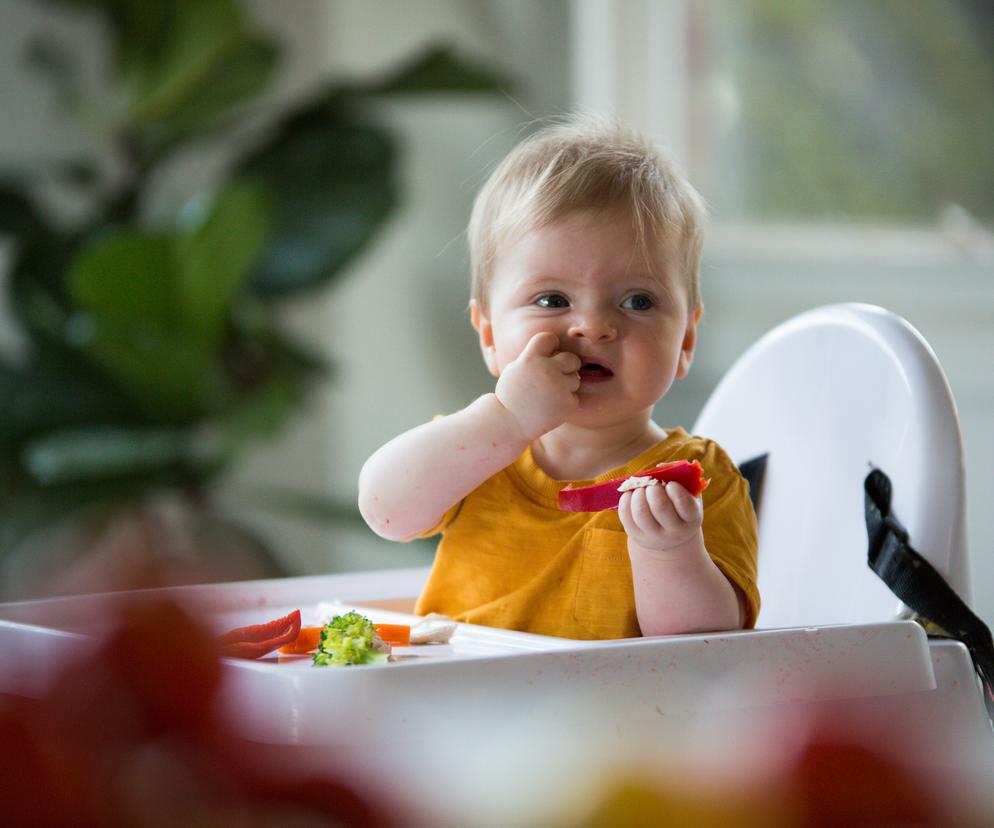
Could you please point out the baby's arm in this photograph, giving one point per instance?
(678, 588)
(408, 485)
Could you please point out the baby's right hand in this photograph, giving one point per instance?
(539, 387)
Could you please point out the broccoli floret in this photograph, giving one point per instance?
(350, 639)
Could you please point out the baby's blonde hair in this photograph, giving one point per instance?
(587, 164)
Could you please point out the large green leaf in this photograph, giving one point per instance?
(332, 185)
(104, 452)
(257, 333)
(214, 262)
(260, 414)
(236, 76)
(168, 50)
(147, 37)
(46, 395)
(30, 509)
(171, 377)
(36, 285)
(132, 325)
(19, 218)
(333, 180)
(128, 276)
(40, 253)
(207, 62)
(181, 66)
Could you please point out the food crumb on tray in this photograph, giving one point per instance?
(434, 628)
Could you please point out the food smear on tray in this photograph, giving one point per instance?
(601, 496)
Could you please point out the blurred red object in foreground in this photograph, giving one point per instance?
(131, 736)
(838, 782)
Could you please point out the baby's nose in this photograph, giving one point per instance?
(596, 327)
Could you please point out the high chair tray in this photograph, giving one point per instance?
(288, 700)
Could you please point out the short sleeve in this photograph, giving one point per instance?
(442, 525)
(730, 532)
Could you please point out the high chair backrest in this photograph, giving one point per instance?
(828, 395)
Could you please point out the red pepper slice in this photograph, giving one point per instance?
(601, 496)
(256, 640)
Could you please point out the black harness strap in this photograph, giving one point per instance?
(917, 583)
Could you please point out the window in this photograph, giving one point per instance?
(834, 110)
(822, 111)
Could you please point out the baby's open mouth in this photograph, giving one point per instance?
(594, 372)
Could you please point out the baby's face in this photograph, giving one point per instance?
(584, 279)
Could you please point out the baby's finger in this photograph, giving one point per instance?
(688, 507)
(569, 363)
(625, 512)
(544, 344)
(642, 515)
(661, 506)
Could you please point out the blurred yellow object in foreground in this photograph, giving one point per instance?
(638, 803)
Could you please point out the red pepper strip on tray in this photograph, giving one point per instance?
(258, 639)
(601, 496)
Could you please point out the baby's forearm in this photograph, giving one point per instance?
(682, 591)
(408, 484)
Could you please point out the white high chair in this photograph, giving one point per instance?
(827, 395)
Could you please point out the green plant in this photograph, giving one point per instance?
(154, 355)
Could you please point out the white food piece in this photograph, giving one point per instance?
(434, 628)
(637, 483)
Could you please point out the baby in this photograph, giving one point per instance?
(585, 249)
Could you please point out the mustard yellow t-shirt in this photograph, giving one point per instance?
(509, 558)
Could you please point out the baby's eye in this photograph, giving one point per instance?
(639, 302)
(552, 300)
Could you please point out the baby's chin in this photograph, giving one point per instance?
(602, 411)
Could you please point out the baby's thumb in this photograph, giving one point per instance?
(543, 344)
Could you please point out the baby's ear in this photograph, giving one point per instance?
(689, 343)
(481, 324)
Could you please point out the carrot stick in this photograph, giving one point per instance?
(398, 635)
(306, 641)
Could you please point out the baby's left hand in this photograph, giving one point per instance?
(661, 517)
